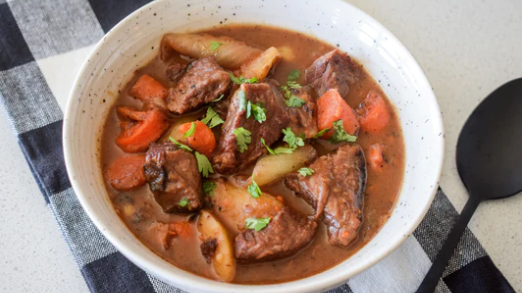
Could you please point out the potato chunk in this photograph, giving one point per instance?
(260, 66)
(220, 251)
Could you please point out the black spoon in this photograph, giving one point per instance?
(489, 161)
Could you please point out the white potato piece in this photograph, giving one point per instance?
(271, 168)
(232, 205)
(223, 260)
(260, 66)
(230, 54)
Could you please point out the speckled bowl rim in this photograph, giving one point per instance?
(215, 286)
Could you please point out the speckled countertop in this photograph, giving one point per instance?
(467, 48)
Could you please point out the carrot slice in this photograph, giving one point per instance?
(373, 112)
(333, 107)
(140, 128)
(202, 140)
(147, 88)
(182, 229)
(375, 158)
(126, 173)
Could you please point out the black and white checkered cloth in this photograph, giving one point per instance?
(42, 45)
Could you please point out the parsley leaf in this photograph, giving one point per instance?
(218, 99)
(294, 75)
(259, 112)
(241, 79)
(242, 100)
(248, 109)
(214, 45)
(278, 150)
(191, 130)
(293, 85)
(294, 101)
(292, 140)
(212, 118)
(209, 187)
(254, 189)
(306, 171)
(242, 138)
(204, 165)
(322, 132)
(183, 202)
(340, 134)
(256, 224)
(180, 145)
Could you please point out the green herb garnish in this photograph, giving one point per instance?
(212, 118)
(204, 165)
(241, 79)
(292, 140)
(242, 100)
(294, 101)
(242, 138)
(214, 45)
(183, 202)
(278, 150)
(254, 189)
(256, 224)
(306, 171)
(340, 134)
(294, 75)
(322, 132)
(209, 187)
(191, 130)
(259, 112)
(180, 145)
(218, 99)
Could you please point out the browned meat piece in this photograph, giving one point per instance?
(173, 177)
(304, 119)
(333, 70)
(335, 190)
(227, 158)
(287, 233)
(203, 82)
(175, 70)
(208, 249)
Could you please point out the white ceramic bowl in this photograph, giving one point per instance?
(135, 40)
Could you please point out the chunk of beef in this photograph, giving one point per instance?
(175, 70)
(173, 176)
(166, 232)
(334, 70)
(335, 190)
(208, 249)
(227, 158)
(287, 232)
(304, 119)
(203, 82)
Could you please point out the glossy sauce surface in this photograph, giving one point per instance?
(139, 210)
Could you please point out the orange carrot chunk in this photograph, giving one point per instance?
(147, 88)
(140, 128)
(202, 140)
(373, 113)
(375, 158)
(333, 107)
(126, 173)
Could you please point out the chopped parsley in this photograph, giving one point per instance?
(258, 112)
(322, 132)
(340, 134)
(183, 202)
(209, 187)
(248, 109)
(191, 130)
(306, 171)
(242, 138)
(292, 140)
(215, 45)
(241, 79)
(242, 100)
(278, 150)
(256, 224)
(294, 75)
(254, 189)
(180, 145)
(294, 101)
(212, 118)
(204, 165)
(291, 83)
(218, 99)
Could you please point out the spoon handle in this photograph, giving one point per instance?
(435, 273)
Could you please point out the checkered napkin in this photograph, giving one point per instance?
(41, 39)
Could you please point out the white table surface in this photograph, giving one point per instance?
(467, 48)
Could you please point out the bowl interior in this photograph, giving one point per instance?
(133, 42)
